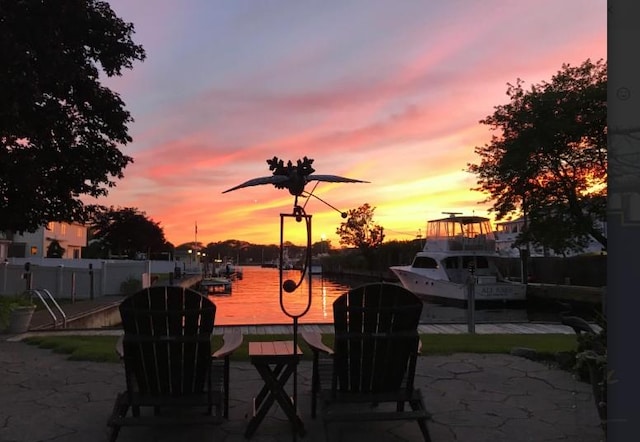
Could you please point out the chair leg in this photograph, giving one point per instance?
(315, 384)
(418, 405)
(114, 433)
(425, 431)
(225, 412)
(120, 408)
(325, 426)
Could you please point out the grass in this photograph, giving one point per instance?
(102, 348)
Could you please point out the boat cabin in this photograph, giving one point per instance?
(460, 233)
(457, 267)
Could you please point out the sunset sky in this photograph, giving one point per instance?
(389, 92)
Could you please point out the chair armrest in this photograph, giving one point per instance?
(578, 324)
(314, 340)
(231, 341)
(120, 347)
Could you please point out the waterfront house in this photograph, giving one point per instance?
(507, 231)
(72, 237)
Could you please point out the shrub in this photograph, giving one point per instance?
(591, 362)
(8, 303)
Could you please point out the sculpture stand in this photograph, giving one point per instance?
(290, 286)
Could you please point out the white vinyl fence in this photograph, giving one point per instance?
(78, 279)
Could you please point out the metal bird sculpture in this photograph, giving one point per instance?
(293, 178)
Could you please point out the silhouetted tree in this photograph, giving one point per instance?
(127, 231)
(359, 230)
(55, 250)
(60, 128)
(321, 247)
(548, 160)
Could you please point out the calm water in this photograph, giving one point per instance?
(255, 300)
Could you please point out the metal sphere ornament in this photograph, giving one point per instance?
(289, 286)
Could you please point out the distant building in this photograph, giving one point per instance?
(507, 231)
(71, 236)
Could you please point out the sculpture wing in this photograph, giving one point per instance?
(274, 179)
(334, 179)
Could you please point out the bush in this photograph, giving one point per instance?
(8, 303)
(591, 363)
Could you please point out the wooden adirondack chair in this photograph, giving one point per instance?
(374, 358)
(170, 371)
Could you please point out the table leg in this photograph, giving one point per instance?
(265, 388)
(272, 391)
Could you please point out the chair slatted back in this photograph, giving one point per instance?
(167, 341)
(376, 338)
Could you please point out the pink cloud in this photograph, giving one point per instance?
(389, 99)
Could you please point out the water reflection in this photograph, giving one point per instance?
(255, 301)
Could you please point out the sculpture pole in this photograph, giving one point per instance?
(290, 286)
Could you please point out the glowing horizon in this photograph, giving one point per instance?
(386, 92)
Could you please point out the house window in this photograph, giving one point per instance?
(63, 229)
(76, 253)
(50, 226)
(79, 232)
(34, 250)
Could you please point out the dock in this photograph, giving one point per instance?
(101, 316)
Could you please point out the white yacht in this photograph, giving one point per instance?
(458, 250)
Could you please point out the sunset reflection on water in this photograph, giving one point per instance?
(255, 299)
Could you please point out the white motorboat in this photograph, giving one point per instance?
(459, 250)
(227, 270)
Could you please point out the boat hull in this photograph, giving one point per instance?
(429, 288)
(215, 287)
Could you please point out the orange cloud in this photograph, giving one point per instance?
(391, 94)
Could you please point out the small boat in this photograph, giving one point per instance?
(459, 250)
(215, 286)
(227, 270)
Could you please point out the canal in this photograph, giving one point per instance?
(255, 299)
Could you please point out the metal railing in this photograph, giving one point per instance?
(42, 294)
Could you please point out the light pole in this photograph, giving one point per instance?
(202, 262)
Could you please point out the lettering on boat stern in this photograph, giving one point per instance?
(493, 291)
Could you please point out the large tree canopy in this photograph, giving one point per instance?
(59, 126)
(126, 231)
(548, 159)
